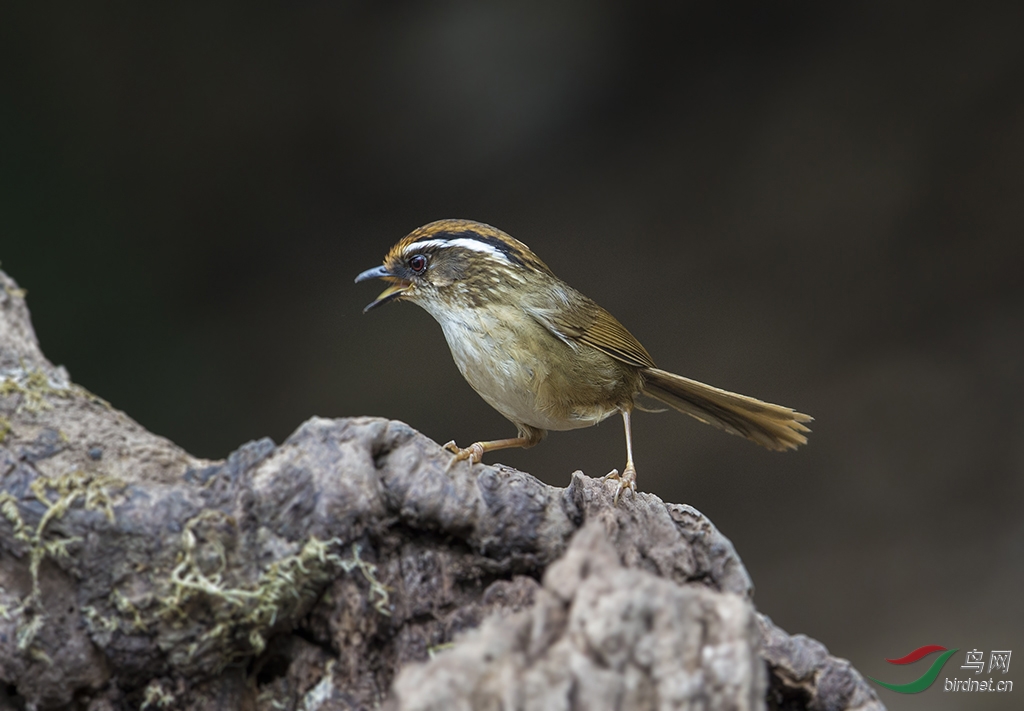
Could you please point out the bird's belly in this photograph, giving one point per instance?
(527, 375)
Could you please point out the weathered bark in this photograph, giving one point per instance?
(349, 568)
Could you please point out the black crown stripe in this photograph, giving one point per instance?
(510, 252)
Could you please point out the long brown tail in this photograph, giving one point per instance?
(772, 426)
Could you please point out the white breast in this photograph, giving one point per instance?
(481, 344)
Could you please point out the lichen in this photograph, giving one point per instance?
(322, 691)
(242, 616)
(97, 622)
(156, 696)
(16, 292)
(438, 648)
(94, 490)
(27, 632)
(9, 510)
(5, 428)
(269, 698)
(369, 571)
(127, 607)
(34, 387)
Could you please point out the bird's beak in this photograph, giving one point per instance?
(397, 288)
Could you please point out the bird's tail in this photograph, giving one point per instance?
(772, 426)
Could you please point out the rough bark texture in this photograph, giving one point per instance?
(349, 568)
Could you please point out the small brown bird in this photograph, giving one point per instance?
(544, 355)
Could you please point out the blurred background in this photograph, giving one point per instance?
(818, 204)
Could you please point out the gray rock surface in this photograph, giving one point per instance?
(601, 635)
(348, 568)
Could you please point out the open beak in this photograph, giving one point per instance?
(398, 286)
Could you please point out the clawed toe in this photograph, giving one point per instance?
(627, 480)
(474, 453)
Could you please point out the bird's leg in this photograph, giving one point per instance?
(475, 452)
(528, 436)
(627, 479)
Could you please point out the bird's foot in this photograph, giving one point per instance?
(474, 453)
(627, 480)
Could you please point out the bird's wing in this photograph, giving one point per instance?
(578, 320)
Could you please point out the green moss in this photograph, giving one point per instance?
(5, 428)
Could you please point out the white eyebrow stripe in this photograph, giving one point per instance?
(458, 242)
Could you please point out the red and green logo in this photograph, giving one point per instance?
(926, 679)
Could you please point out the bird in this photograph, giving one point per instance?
(544, 355)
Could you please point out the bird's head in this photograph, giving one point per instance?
(452, 263)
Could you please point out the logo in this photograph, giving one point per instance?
(926, 679)
(998, 661)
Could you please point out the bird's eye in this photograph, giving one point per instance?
(418, 263)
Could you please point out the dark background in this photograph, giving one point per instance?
(818, 205)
